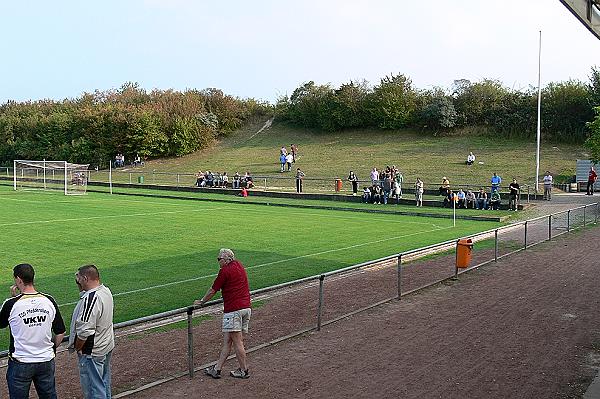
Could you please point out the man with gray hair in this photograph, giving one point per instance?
(232, 281)
(91, 333)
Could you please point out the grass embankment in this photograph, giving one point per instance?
(329, 155)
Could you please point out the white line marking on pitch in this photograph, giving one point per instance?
(104, 217)
(267, 264)
(354, 218)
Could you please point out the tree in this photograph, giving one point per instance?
(393, 102)
(437, 111)
(593, 141)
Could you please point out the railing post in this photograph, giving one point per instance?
(597, 211)
(177, 180)
(525, 237)
(496, 245)
(584, 207)
(528, 193)
(399, 276)
(549, 227)
(568, 220)
(129, 177)
(320, 309)
(190, 311)
(265, 184)
(456, 261)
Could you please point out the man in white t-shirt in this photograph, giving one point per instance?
(548, 186)
(36, 330)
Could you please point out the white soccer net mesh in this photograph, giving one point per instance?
(62, 176)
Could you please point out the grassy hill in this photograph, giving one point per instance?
(330, 155)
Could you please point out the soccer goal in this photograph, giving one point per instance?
(63, 176)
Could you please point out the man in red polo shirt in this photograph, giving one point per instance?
(232, 281)
(592, 176)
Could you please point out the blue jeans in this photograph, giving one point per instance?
(20, 375)
(94, 375)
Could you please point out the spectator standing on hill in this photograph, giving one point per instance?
(548, 186)
(33, 318)
(396, 191)
(354, 181)
(482, 199)
(283, 150)
(299, 179)
(210, 178)
(374, 176)
(387, 188)
(496, 181)
(470, 158)
(470, 199)
(513, 197)
(294, 151)
(366, 194)
(282, 161)
(399, 178)
(419, 188)
(232, 281)
(289, 159)
(592, 177)
(91, 333)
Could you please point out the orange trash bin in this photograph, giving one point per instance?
(464, 247)
(338, 185)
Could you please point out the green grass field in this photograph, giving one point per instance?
(159, 254)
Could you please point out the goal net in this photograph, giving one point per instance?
(69, 178)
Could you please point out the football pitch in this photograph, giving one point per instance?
(158, 254)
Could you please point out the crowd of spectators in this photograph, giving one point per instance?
(221, 180)
(385, 185)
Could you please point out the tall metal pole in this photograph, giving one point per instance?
(539, 118)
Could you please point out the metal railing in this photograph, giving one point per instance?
(285, 183)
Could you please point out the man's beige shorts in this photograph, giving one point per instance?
(237, 321)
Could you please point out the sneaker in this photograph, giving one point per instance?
(213, 372)
(239, 373)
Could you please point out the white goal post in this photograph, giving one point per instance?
(63, 176)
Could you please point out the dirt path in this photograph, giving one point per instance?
(526, 327)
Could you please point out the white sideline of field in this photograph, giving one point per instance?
(268, 264)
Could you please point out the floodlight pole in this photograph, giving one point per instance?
(110, 175)
(539, 123)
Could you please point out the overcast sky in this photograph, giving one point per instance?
(266, 48)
